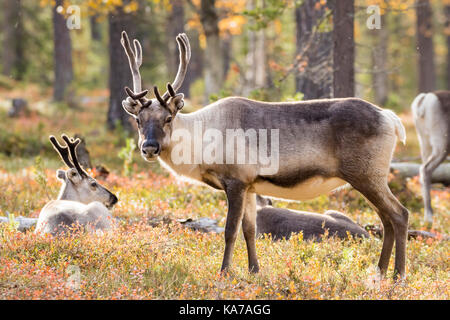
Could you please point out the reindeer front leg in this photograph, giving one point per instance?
(236, 193)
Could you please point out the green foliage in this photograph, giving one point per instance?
(40, 176)
(6, 82)
(326, 24)
(17, 144)
(259, 94)
(405, 195)
(120, 133)
(222, 94)
(38, 47)
(126, 154)
(12, 223)
(265, 12)
(395, 102)
(298, 96)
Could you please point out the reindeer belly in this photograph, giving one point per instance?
(306, 190)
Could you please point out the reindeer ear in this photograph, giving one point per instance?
(61, 175)
(177, 101)
(130, 106)
(73, 176)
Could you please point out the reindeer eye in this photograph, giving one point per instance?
(73, 174)
(93, 184)
(168, 119)
(138, 121)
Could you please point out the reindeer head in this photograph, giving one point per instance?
(77, 184)
(154, 117)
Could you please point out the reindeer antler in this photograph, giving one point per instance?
(170, 90)
(162, 102)
(72, 144)
(62, 151)
(185, 55)
(135, 61)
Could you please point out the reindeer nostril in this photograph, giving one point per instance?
(150, 148)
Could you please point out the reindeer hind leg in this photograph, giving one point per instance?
(394, 218)
(426, 170)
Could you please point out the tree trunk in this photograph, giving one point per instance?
(12, 57)
(195, 69)
(62, 54)
(315, 79)
(427, 76)
(396, 52)
(343, 49)
(174, 26)
(227, 48)
(379, 62)
(213, 53)
(447, 33)
(119, 70)
(95, 28)
(256, 75)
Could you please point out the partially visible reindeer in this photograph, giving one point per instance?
(431, 112)
(81, 201)
(282, 223)
(322, 145)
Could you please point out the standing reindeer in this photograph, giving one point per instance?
(323, 144)
(81, 200)
(431, 112)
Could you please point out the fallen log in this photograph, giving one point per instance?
(409, 170)
(377, 231)
(202, 224)
(410, 159)
(22, 223)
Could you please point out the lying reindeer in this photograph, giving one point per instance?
(322, 145)
(431, 112)
(81, 201)
(282, 223)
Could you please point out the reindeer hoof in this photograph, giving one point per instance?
(253, 269)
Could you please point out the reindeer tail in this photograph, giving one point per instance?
(399, 128)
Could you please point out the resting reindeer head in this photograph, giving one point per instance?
(154, 117)
(77, 184)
